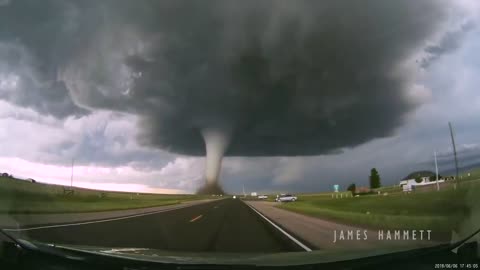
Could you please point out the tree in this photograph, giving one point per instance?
(374, 179)
(434, 177)
(352, 187)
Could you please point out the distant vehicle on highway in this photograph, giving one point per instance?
(234, 196)
(286, 198)
(262, 197)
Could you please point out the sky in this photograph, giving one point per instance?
(304, 96)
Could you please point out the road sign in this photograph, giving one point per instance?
(335, 188)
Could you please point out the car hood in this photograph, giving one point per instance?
(265, 259)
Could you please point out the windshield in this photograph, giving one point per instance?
(235, 128)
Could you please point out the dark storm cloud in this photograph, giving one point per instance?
(448, 43)
(282, 77)
(34, 36)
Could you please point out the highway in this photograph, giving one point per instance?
(227, 225)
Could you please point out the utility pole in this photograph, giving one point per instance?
(436, 169)
(454, 154)
(71, 176)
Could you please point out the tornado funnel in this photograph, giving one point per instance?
(216, 143)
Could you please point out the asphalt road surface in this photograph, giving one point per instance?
(227, 225)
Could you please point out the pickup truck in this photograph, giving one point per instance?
(286, 198)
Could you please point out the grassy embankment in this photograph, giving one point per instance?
(17, 196)
(437, 210)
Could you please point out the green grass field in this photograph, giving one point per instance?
(17, 196)
(470, 175)
(439, 210)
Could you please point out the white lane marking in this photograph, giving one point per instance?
(97, 221)
(282, 231)
(196, 218)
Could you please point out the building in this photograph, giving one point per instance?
(362, 190)
(420, 178)
(423, 181)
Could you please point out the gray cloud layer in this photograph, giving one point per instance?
(447, 44)
(289, 78)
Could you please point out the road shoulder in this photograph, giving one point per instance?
(319, 234)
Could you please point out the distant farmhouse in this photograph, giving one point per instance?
(362, 190)
(420, 178)
(7, 175)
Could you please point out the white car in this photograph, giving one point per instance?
(262, 197)
(286, 198)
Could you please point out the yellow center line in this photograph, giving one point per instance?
(196, 218)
